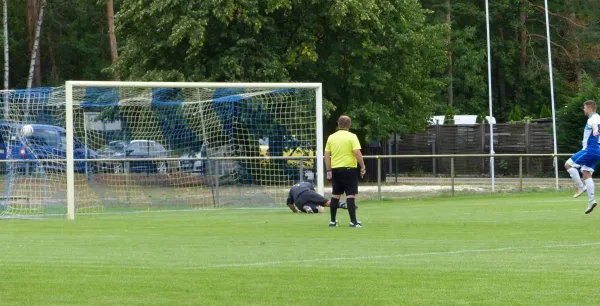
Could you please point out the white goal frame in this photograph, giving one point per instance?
(70, 133)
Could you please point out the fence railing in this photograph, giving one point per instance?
(379, 159)
(98, 182)
(453, 157)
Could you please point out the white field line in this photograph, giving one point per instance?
(18, 264)
(270, 263)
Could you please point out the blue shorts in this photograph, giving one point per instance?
(585, 159)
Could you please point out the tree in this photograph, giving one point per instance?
(36, 41)
(571, 119)
(110, 13)
(481, 118)
(376, 59)
(515, 115)
(545, 112)
(6, 43)
(32, 21)
(519, 64)
(73, 42)
(449, 116)
(389, 64)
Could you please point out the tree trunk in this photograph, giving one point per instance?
(54, 70)
(6, 50)
(37, 72)
(450, 59)
(36, 42)
(32, 17)
(576, 52)
(500, 70)
(110, 12)
(523, 36)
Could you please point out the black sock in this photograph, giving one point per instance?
(333, 208)
(351, 209)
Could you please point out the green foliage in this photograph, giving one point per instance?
(73, 42)
(503, 166)
(449, 115)
(385, 63)
(571, 119)
(469, 69)
(481, 118)
(520, 74)
(376, 59)
(545, 112)
(515, 115)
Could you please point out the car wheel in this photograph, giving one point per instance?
(118, 168)
(161, 167)
(39, 168)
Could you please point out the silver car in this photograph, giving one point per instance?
(197, 162)
(135, 149)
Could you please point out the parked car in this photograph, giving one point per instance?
(135, 149)
(196, 162)
(41, 142)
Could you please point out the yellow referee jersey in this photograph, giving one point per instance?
(341, 144)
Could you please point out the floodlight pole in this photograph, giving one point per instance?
(489, 62)
(551, 92)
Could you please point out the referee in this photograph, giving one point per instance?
(341, 155)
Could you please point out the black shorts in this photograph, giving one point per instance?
(344, 180)
(311, 199)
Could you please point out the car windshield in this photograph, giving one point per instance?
(117, 145)
(133, 147)
(44, 137)
(76, 142)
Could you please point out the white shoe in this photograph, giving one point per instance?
(579, 192)
(308, 210)
(591, 207)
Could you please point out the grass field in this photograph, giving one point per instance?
(530, 248)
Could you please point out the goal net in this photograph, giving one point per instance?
(93, 147)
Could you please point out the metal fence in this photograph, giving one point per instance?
(459, 178)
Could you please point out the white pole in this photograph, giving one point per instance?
(192, 84)
(70, 163)
(320, 167)
(551, 92)
(489, 57)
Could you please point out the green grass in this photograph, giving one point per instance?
(532, 248)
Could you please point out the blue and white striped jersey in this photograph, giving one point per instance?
(588, 138)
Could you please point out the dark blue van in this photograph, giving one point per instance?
(46, 142)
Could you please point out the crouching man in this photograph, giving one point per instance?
(303, 198)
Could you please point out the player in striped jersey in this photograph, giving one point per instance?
(586, 159)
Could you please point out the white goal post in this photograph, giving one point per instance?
(274, 120)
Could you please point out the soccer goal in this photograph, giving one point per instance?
(145, 146)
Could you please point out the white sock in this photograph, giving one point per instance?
(589, 183)
(575, 177)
